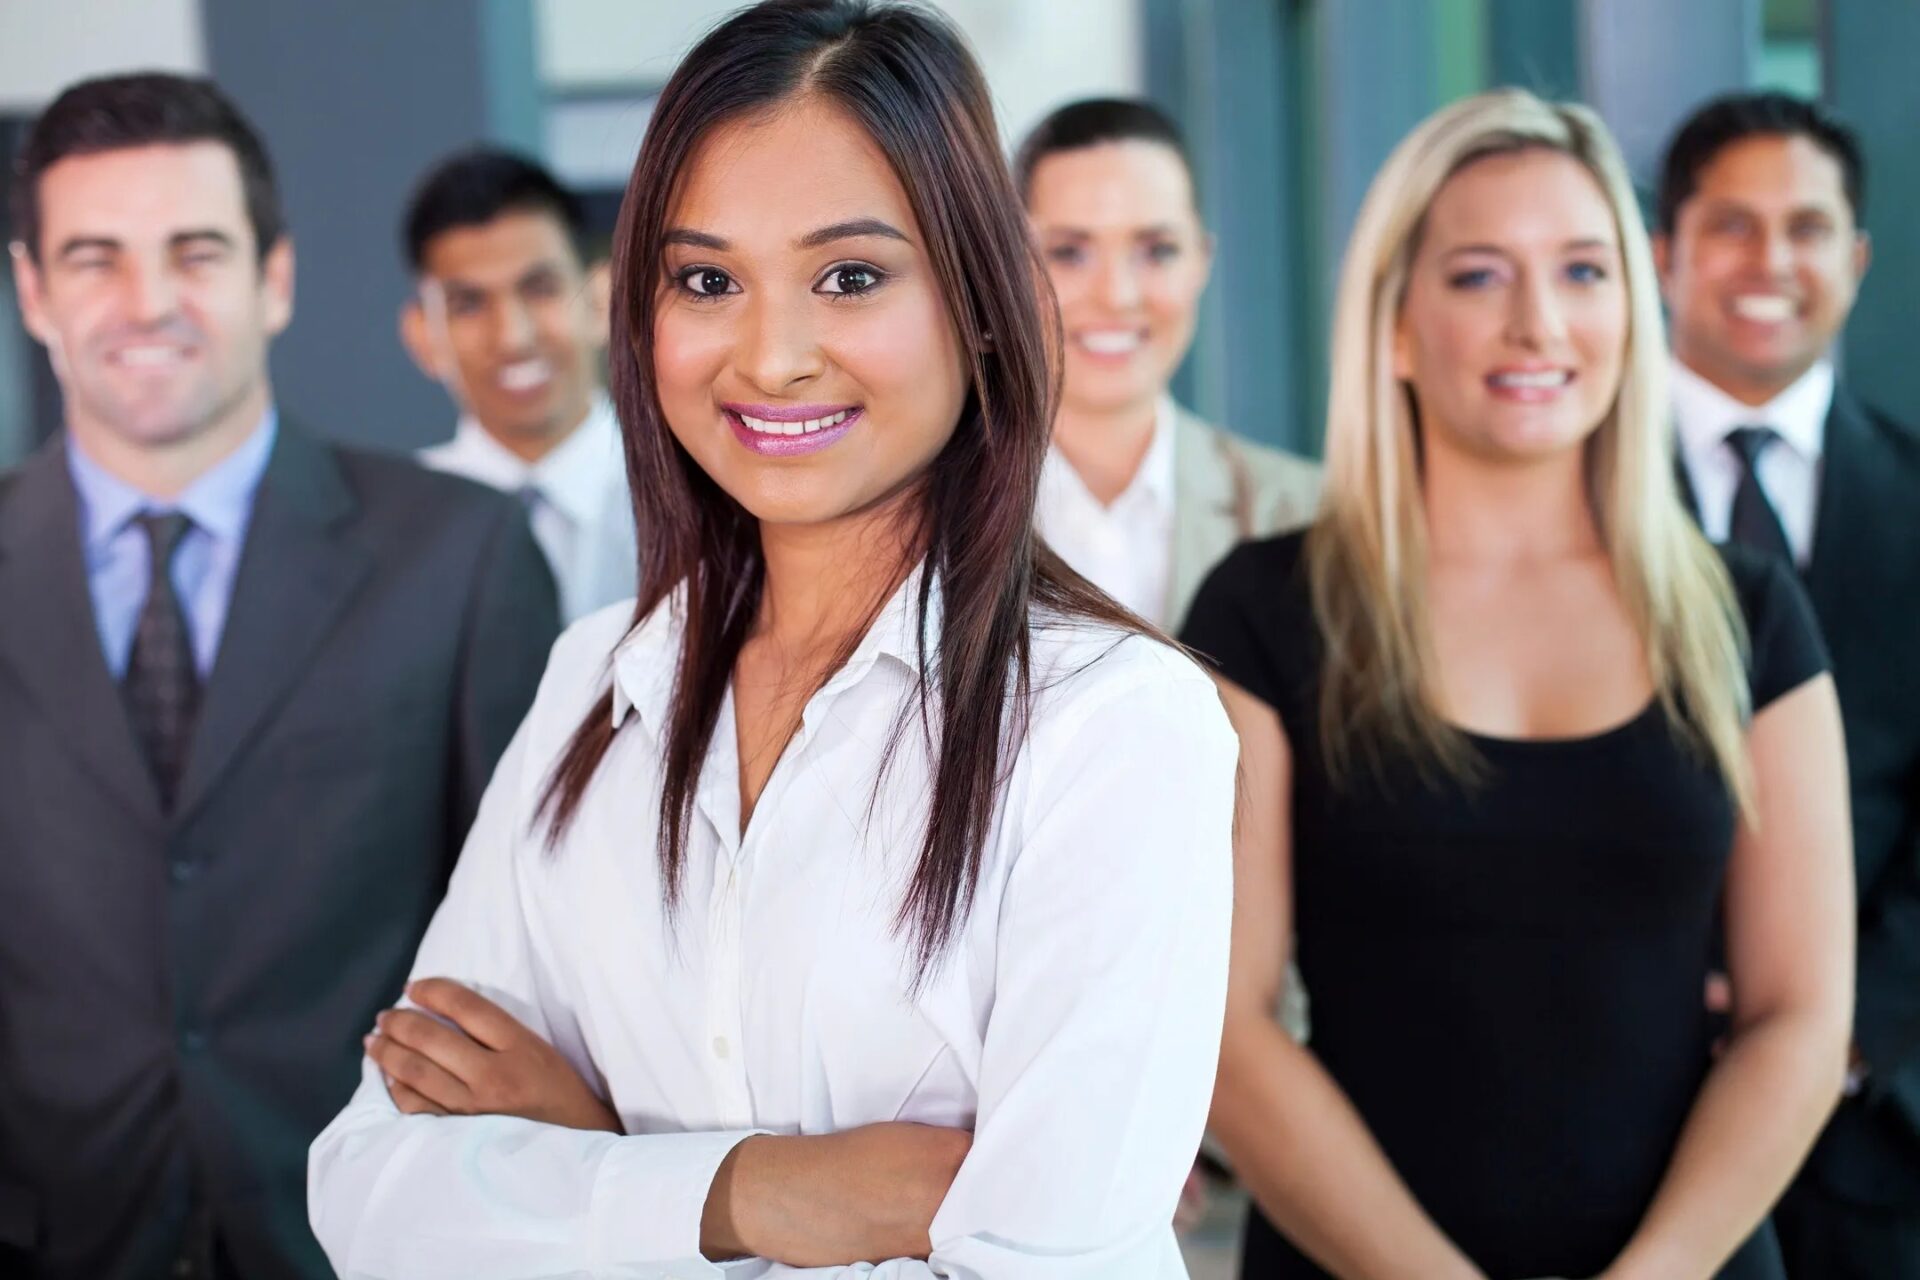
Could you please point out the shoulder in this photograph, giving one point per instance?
(1899, 438)
(1083, 668)
(1261, 572)
(389, 480)
(1272, 472)
(1784, 643)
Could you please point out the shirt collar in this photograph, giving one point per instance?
(573, 476)
(1155, 477)
(220, 502)
(1705, 414)
(645, 661)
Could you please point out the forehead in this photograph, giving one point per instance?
(1536, 196)
(144, 194)
(766, 179)
(501, 249)
(1131, 181)
(1773, 168)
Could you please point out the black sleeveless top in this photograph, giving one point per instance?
(1506, 975)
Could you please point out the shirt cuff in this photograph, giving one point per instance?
(648, 1199)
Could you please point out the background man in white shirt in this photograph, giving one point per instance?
(511, 318)
(1761, 251)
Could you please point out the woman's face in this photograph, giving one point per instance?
(803, 353)
(1513, 331)
(1128, 259)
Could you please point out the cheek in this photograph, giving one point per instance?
(900, 351)
(1069, 287)
(688, 354)
(1173, 296)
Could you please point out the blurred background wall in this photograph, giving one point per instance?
(1291, 105)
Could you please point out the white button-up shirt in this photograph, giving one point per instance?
(1789, 469)
(576, 501)
(1124, 547)
(1073, 1026)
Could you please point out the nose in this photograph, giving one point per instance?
(512, 326)
(1537, 319)
(1776, 251)
(149, 292)
(1119, 285)
(777, 347)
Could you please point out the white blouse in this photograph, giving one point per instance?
(1073, 1026)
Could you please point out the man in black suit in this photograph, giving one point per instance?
(251, 688)
(1761, 249)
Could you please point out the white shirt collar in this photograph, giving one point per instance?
(1154, 480)
(645, 662)
(1705, 414)
(573, 477)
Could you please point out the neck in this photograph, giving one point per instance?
(1106, 447)
(825, 582)
(1750, 387)
(168, 469)
(1512, 513)
(531, 446)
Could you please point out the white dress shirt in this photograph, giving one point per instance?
(1073, 1027)
(1789, 469)
(1124, 547)
(576, 500)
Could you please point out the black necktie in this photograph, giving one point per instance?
(1755, 523)
(162, 687)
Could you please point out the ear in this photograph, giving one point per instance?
(1402, 351)
(276, 285)
(28, 284)
(600, 299)
(417, 338)
(1662, 258)
(1862, 255)
(1207, 243)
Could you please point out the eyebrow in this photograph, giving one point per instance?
(1585, 242)
(851, 229)
(1083, 233)
(178, 240)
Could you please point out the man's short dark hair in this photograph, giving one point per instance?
(1739, 116)
(1093, 121)
(114, 113)
(473, 187)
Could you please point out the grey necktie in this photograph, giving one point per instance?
(162, 686)
(1755, 523)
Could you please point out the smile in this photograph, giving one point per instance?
(149, 357)
(525, 375)
(1764, 308)
(1530, 386)
(785, 431)
(1110, 343)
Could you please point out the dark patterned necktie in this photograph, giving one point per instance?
(1755, 523)
(162, 687)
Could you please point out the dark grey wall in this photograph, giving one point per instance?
(353, 109)
(1873, 77)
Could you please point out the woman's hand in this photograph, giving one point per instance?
(485, 1063)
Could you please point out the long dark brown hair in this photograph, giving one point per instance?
(907, 78)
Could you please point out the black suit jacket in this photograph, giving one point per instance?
(182, 996)
(1864, 581)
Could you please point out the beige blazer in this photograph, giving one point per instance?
(1226, 490)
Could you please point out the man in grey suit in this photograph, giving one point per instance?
(251, 688)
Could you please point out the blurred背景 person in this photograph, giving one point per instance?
(1515, 739)
(1139, 496)
(1761, 245)
(509, 315)
(251, 688)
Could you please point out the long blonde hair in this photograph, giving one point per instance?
(1367, 555)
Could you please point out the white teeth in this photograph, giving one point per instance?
(149, 356)
(1533, 381)
(1111, 342)
(524, 375)
(1764, 308)
(808, 427)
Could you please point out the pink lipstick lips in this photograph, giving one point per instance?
(789, 430)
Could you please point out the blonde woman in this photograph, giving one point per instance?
(1515, 741)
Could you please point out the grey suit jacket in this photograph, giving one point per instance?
(1228, 489)
(182, 996)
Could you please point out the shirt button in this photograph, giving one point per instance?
(193, 1040)
(182, 870)
(721, 1048)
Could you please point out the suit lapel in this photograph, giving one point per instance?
(297, 572)
(1853, 486)
(50, 638)
(1207, 521)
